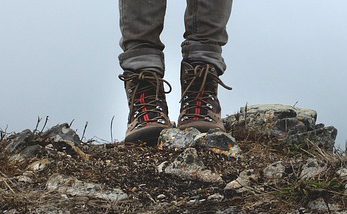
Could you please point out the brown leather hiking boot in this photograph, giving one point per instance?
(200, 107)
(148, 114)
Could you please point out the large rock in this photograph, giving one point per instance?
(177, 139)
(291, 124)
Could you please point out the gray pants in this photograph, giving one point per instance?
(141, 23)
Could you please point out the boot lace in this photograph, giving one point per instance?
(199, 100)
(145, 94)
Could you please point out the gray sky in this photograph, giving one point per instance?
(59, 58)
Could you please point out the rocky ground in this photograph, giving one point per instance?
(272, 159)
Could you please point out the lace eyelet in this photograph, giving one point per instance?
(185, 97)
(138, 126)
(130, 90)
(185, 105)
(184, 118)
(207, 118)
(161, 121)
(211, 97)
(159, 108)
(209, 106)
(136, 113)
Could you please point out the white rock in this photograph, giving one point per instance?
(274, 171)
(312, 168)
(215, 197)
(161, 166)
(189, 166)
(24, 179)
(320, 205)
(73, 186)
(38, 165)
(242, 183)
(342, 173)
(161, 196)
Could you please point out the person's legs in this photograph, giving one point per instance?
(205, 23)
(202, 63)
(141, 23)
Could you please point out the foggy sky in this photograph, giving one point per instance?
(59, 58)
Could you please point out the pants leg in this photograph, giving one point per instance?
(205, 23)
(141, 23)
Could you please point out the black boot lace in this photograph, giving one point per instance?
(146, 96)
(201, 92)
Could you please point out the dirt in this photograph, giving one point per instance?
(134, 169)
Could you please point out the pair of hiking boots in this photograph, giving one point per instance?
(148, 114)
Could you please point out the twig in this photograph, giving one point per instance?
(4, 180)
(112, 129)
(295, 104)
(71, 123)
(3, 134)
(44, 125)
(8, 186)
(84, 130)
(37, 123)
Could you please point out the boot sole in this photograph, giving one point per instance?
(201, 126)
(149, 135)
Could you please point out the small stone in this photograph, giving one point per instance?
(231, 210)
(274, 171)
(24, 179)
(312, 168)
(161, 166)
(108, 162)
(215, 197)
(177, 139)
(189, 166)
(38, 165)
(243, 182)
(342, 173)
(161, 196)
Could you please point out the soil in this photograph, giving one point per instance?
(133, 168)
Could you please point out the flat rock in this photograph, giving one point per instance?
(26, 154)
(74, 187)
(189, 166)
(19, 141)
(219, 142)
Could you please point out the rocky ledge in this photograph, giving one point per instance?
(271, 159)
